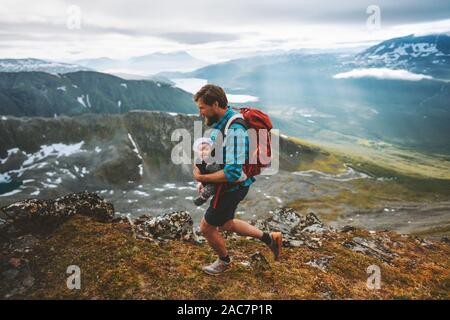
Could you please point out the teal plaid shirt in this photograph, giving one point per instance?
(235, 150)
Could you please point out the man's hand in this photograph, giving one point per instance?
(200, 187)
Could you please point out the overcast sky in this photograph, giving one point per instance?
(213, 30)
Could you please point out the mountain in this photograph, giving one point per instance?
(127, 156)
(129, 159)
(343, 97)
(44, 94)
(428, 54)
(147, 64)
(30, 64)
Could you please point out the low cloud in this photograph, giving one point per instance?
(198, 37)
(382, 73)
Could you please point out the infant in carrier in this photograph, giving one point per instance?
(203, 148)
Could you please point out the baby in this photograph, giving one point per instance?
(203, 148)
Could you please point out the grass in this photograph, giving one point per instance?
(116, 266)
(408, 176)
(379, 159)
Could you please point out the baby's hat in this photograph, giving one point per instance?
(200, 141)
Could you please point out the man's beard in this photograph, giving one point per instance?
(210, 121)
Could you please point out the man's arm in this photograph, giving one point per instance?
(236, 150)
(215, 177)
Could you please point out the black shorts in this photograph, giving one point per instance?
(226, 206)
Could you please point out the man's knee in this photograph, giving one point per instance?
(228, 226)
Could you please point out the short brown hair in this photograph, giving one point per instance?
(211, 93)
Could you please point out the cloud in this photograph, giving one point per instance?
(212, 30)
(382, 73)
(199, 37)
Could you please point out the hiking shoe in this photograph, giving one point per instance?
(275, 246)
(217, 267)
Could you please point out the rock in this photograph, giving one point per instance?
(426, 244)
(173, 225)
(10, 274)
(259, 261)
(297, 229)
(327, 295)
(246, 264)
(372, 248)
(39, 215)
(22, 244)
(28, 282)
(312, 219)
(14, 262)
(296, 243)
(321, 263)
(119, 163)
(315, 228)
(285, 220)
(348, 228)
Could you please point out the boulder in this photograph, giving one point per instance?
(371, 247)
(297, 229)
(169, 226)
(38, 215)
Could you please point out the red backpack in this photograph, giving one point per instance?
(251, 118)
(260, 139)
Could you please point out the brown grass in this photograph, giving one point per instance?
(116, 266)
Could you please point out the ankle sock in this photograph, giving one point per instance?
(225, 259)
(266, 238)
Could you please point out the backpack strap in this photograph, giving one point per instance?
(237, 118)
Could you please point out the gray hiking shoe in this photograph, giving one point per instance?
(217, 267)
(275, 246)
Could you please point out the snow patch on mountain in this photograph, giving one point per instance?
(30, 64)
(88, 102)
(84, 101)
(136, 150)
(57, 150)
(80, 100)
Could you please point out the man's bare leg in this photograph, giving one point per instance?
(243, 228)
(214, 238)
(273, 239)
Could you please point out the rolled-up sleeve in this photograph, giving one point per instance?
(235, 152)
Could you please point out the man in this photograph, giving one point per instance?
(213, 106)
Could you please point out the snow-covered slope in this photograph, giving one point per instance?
(421, 54)
(31, 64)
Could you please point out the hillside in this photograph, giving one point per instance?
(127, 160)
(117, 263)
(47, 95)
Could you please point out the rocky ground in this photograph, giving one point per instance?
(161, 257)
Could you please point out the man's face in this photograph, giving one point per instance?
(208, 112)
